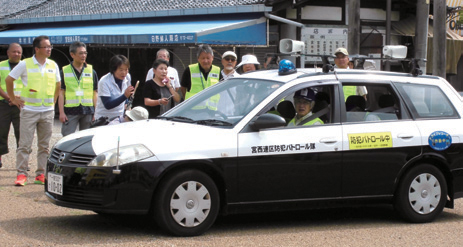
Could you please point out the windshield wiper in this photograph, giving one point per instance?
(177, 119)
(214, 122)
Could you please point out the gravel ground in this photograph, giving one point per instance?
(27, 218)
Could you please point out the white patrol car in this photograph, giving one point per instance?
(229, 150)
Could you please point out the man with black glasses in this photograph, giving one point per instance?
(41, 84)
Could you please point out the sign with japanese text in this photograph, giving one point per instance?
(323, 41)
(370, 140)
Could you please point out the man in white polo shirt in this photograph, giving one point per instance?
(41, 80)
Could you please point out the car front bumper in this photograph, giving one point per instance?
(99, 189)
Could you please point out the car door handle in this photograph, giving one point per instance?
(405, 136)
(328, 140)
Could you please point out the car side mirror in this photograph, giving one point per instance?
(267, 121)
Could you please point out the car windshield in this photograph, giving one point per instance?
(224, 104)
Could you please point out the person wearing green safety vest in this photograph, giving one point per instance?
(201, 75)
(304, 101)
(342, 62)
(41, 84)
(79, 91)
(9, 114)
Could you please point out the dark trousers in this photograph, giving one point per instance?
(8, 115)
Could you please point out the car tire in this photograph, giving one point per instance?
(186, 203)
(421, 194)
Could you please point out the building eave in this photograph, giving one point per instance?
(148, 14)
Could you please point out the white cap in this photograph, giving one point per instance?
(341, 50)
(229, 54)
(248, 59)
(137, 113)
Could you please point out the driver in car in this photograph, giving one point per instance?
(304, 101)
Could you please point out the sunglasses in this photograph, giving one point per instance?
(230, 59)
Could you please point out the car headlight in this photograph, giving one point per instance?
(127, 154)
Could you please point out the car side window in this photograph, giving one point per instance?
(426, 101)
(370, 102)
(305, 106)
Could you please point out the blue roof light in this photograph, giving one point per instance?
(286, 67)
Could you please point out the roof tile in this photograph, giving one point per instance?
(22, 9)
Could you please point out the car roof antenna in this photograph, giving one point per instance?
(117, 170)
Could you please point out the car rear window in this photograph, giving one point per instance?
(427, 101)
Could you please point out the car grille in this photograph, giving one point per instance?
(81, 196)
(74, 158)
(77, 194)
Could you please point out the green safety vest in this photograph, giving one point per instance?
(311, 122)
(348, 91)
(199, 83)
(4, 71)
(40, 88)
(78, 92)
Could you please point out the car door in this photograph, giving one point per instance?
(435, 115)
(377, 145)
(290, 163)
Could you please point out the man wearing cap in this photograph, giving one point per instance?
(227, 100)
(201, 75)
(304, 101)
(341, 58)
(248, 63)
(229, 63)
(342, 62)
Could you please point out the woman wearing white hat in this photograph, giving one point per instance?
(248, 63)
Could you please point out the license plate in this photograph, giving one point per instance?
(55, 183)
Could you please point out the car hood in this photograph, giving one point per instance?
(168, 140)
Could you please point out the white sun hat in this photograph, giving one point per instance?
(248, 59)
(137, 113)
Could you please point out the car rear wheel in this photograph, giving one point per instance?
(186, 203)
(422, 194)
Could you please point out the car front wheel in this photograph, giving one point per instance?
(186, 203)
(422, 194)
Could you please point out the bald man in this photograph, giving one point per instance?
(9, 114)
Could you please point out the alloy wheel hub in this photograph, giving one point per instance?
(190, 204)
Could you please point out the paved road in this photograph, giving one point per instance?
(28, 219)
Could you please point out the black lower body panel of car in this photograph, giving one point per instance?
(99, 189)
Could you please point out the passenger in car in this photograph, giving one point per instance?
(304, 101)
